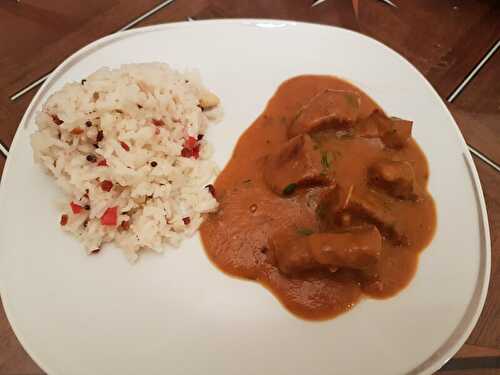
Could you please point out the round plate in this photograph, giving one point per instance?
(176, 313)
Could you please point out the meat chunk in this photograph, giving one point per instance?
(296, 164)
(396, 178)
(330, 109)
(393, 132)
(344, 207)
(338, 198)
(356, 248)
(370, 208)
(396, 132)
(291, 253)
(368, 127)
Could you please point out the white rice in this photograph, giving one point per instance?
(163, 203)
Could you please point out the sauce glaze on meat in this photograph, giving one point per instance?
(323, 201)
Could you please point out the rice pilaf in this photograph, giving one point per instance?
(127, 147)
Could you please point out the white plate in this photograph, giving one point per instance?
(176, 313)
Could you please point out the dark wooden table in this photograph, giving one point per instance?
(454, 43)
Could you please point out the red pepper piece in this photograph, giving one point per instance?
(76, 208)
(196, 152)
(106, 185)
(190, 143)
(64, 220)
(110, 216)
(57, 120)
(186, 152)
(158, 122)
(125, 146)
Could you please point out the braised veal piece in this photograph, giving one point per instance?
(325, 199)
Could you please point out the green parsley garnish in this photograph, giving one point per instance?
(289, 189)
(326, 159)
(305, 231)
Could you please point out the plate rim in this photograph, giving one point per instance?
(473, 311)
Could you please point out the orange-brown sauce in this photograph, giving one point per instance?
(236, 237)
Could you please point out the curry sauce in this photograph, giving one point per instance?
(319, 207)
